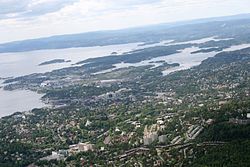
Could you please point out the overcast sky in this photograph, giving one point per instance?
(24, 19)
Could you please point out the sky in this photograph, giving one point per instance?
(26, 19)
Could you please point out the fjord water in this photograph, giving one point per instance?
(19, 100)
(23, 63)
(185, 58)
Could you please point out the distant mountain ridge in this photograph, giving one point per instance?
(179, 31)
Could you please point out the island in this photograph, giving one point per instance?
(54, 62)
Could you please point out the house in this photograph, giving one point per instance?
(81, 147)
(210, 121)
(85, 147)
(248, 115)
(107, 140)
(88, 123)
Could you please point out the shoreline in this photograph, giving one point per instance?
(25, 100)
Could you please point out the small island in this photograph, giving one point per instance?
(54, 62)
(160, 61)
(114, 53)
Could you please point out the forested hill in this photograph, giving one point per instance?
(237, 28)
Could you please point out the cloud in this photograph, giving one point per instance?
(30, 8)
(11, 6)
(22, 19)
